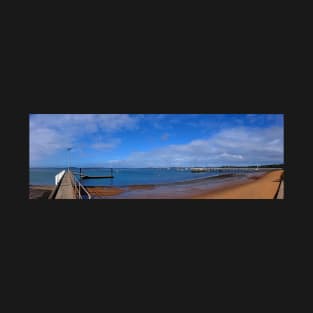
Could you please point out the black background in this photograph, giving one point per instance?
(222, 245)
(148, 91)
(159, 239)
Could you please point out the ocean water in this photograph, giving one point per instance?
(125, 176)
(43, 176)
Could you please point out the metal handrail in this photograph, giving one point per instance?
(280, 182)
(78, 187)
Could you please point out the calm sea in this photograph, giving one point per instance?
(122, 176)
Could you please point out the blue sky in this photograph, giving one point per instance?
(157, 140)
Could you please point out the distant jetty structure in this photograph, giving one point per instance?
(199, 169)
(231, 169)
(83, 176)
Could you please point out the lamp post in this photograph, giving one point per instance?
(69, 149)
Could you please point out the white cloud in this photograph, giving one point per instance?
(234, 146)
(231, 156)
(108, 145)
(165, 136)
(44, 141)
(85, 123)
(50, 133)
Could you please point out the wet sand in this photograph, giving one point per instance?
(255, 186)
(40, 192)
(98, 191)
(43, 192)
(264, 187)
(104, 191)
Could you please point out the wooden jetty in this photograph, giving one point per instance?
(83, 176)
(69, 188)
(94, 177)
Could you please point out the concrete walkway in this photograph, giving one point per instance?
(65, 190)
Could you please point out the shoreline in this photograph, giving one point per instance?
(39, 191)
(262, 185)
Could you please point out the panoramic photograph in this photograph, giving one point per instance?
(156, 156)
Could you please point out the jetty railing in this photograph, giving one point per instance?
(281, 179)
(79, 190)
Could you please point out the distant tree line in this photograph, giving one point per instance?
(274, 165)
(254, 166)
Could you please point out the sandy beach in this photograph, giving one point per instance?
(43, 191)
(40, 192)
(113, 191)
(264, 187)
(104, 191)
(255, 187)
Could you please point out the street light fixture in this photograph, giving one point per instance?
(69, 149)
